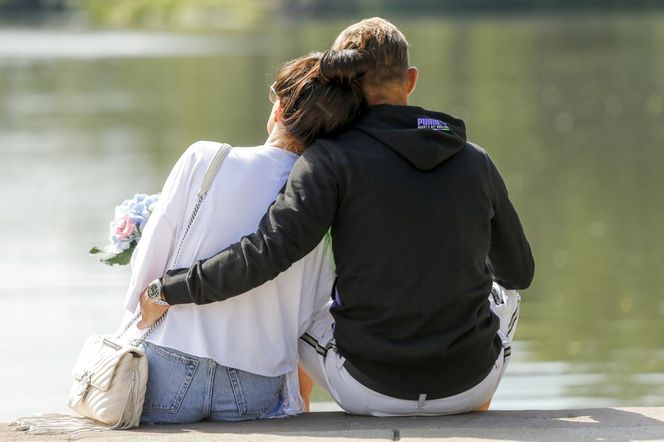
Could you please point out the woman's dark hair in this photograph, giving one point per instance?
(320, 94)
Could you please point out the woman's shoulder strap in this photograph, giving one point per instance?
(211, 173)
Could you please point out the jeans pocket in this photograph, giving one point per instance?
(169, 375)
(256, 396)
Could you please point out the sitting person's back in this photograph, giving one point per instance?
(256, 333)
(411, 312)
(238, 360)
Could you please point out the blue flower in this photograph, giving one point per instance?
(129, 220)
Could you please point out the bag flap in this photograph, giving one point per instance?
(98, 360)
(103, 372)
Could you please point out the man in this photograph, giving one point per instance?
(422, 227)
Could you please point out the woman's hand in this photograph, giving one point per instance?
(150, 311)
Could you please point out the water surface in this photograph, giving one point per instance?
(570, 109)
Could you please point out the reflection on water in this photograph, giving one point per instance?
(571, 111)
(36, 45)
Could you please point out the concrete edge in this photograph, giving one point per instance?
(526, 425)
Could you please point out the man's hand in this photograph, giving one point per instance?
(150, 311)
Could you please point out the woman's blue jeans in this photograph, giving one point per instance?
(183, 388)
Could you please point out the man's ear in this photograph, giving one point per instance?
(413, 74)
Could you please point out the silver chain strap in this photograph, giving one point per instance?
(211, 173)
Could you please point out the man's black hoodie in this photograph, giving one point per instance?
(421, 226)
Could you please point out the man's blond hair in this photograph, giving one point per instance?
(385, 46)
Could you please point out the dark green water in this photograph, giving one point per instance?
(570, 108)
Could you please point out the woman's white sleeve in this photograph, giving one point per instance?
(152, 254)
(320, 276)
(327, 274)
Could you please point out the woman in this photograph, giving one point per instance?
(238, 359)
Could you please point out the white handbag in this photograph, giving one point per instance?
(110, 377)
(111, 372)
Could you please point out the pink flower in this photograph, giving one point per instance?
(125, 228)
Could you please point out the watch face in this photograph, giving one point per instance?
(153, 291)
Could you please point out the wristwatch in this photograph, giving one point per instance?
(155, 293)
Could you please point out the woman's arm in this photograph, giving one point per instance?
(153, 252)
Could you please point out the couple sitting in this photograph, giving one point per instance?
(385, 269)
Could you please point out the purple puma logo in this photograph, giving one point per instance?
(432, 124)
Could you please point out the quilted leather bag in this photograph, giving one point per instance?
(110, 377)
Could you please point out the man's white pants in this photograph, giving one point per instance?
(319, 358)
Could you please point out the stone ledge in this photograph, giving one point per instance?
(615, 424)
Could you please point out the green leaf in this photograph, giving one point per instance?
(96, 250)
(111, 258)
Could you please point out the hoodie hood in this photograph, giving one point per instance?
(424, 138)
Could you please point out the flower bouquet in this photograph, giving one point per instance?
(126, 229)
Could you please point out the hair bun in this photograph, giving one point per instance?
(343, 66)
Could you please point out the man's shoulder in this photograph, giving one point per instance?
(346, 141)
(323, 149)
(476, 148)
(476, 153)
(329, 155)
